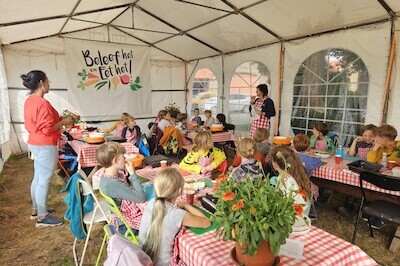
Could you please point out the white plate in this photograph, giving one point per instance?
(323, 155)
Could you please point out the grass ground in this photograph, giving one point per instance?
(21, 243)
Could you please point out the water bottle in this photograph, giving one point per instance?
(384, 161)
(340, 150)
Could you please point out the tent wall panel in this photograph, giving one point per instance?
(371, 44)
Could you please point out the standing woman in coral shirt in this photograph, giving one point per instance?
(43, 124)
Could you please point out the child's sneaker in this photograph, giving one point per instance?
(49, 221)
(35, 216)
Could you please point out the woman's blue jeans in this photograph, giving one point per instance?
(45, 162)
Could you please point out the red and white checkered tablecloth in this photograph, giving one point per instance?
(149, 172)
(87, 152)
(320, 248)
(334, 172)
(217, 137)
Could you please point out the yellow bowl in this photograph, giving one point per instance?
(279, 140)
(137, 161)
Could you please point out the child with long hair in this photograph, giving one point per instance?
(292, 175)
(131, 132)
(204, 157)
(162, 220)
(118, 125)
(249, 166)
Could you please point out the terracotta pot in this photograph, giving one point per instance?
(263, 257)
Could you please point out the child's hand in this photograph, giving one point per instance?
(207, 169)
(359, 139)
(129, 167)
(181, 204)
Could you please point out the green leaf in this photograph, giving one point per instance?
(137, 80)
(100, 84)
(138, 86)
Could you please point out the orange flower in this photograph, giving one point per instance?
(238, 205)
(298, 209)
(228, 195)
(302, 193)
(221, 178)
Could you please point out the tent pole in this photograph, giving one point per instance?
(223, 82)
(388, 78)
(186, 88)
(278, 97)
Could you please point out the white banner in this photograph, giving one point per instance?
(108, 79)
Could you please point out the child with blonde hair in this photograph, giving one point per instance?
(113, 182)
(261, 136)
(131, 132)
(292, 176)
(118, 125)
(249, 166)
(162, 220)
(204, 157)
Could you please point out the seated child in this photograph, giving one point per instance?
(131, 132)
(384, 141)
(249, 166)
(118, 187)
(363, 144)
(301, 143)
(292, 177)
(209, 119)
(117, 125)
(204, 157)
(221, 119)
(197, 119)
(166, 121)
(162, 219)
(261, 136)
(319, 140)
(182, 125)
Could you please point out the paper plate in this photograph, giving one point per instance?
(301, 226)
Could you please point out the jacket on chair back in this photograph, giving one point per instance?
(78, 205)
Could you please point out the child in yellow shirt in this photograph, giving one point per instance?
(385, 136)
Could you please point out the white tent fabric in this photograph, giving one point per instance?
(4, 104)
(184, 36)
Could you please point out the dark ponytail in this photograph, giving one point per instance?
(32, 79)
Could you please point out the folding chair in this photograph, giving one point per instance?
(115, 209)
(100, 213)
(381, 209)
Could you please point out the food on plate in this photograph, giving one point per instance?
(196, 185)
(281, 140)
(216, 127)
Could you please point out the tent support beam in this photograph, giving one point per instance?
(89, 40)
(385, 103)
(149, 44)
(241, 12)
(205, 6)
(279, 89)
(53, 35)
(62, 16)
(387, 8)
(123, 11)
(181, 32)
(70, 15)
(299, 38)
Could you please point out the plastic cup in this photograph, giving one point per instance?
(391, 165)
(190, 196)
(338, 158)
(163, 164)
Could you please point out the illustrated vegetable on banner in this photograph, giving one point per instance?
(108, 71)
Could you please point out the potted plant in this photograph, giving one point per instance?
(257, 216)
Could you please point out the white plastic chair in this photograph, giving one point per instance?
(100, 213)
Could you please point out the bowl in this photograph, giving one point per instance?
(281, 140)
(136, 159)
(95, 138)
(216, 127)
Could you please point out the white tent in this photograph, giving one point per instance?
(180, 37)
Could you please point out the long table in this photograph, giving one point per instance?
(87, 152)
(216, 137)
(338, 178)
(320, 247)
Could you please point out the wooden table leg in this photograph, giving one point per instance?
(395, 245)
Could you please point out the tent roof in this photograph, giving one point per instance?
(190, 29)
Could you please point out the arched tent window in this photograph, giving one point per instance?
(331, 86)
(204, 91)
(243, 85)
